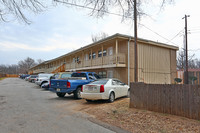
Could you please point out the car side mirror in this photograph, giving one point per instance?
(52, 77)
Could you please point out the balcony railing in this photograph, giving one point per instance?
(87, 63)
(97, 62)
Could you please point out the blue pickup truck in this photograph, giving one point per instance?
(72, 84)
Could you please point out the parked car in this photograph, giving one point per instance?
(43, 78)
(61, 75)
(23, 76)
(72, 84)
(32, 78)
(108, 89)
(27, 78)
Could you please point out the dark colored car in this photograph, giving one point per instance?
(23, 76)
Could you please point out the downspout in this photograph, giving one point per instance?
(129, 61)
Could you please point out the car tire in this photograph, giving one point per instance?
(42, 84)
(59, 94)
(111, 97)
(77, 93)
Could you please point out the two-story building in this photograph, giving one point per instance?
(113, 57)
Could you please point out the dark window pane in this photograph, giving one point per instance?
(99, 53)
(104, 52)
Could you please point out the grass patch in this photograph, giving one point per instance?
(2, 78)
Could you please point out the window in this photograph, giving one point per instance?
(86, 57)
(93, 55)
(90, 56)
(104, 52)
(79, 75)
(110, 74)
(65, 75)
(103, 74)
(77, 59)
(74, 60)
(101, 82)
(114, 82)
(110, 51)
(90, 74)
(96, 76)
(100, 53)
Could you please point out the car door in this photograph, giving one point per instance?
(123, 89)
(116, 87)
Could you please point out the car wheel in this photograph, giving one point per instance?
(77, 93)
(111, 97)
(60, 94)
(42, 83)
(128, 93)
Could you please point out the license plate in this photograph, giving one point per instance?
(57, 89)
(90, 88)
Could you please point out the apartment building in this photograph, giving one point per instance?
(113, 57)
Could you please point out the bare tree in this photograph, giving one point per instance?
(39, 61)
(17, 9)
(192, 63)
(99, 36)
(21, 68)
(101, 7)
(26, 64)
(9, 69)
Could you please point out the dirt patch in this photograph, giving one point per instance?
(137, 121)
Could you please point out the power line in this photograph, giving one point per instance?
(176, 35)
(90, 8)
(73, 4)
(158, 34)
(194, 49)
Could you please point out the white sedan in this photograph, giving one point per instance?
(109, 89)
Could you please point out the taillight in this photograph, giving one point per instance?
(101, 88)
(82, 89)
(68, 85)
(50, 84)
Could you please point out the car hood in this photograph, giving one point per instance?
(43, 78)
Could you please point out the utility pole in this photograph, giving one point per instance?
(186, 51)
(135, 40)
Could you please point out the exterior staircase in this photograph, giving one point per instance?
(59, 69)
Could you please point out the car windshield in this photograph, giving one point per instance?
(65, 75)
(102, 82)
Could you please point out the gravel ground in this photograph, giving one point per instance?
(138, 121)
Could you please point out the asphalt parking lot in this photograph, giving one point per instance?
(26, 108)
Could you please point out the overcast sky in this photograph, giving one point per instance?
(61, 29)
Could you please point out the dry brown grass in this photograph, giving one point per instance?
(138, 121)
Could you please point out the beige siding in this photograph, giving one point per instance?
(156, 62)
(173, 65)
(153, 64)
